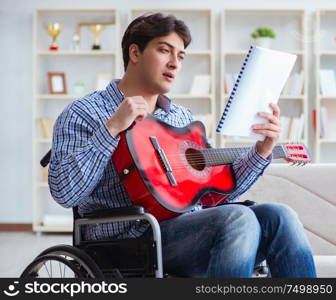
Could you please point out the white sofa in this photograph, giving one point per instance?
(311, 192)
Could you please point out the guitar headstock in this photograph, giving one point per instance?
(297, 154)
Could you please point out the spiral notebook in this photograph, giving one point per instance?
(260, 81)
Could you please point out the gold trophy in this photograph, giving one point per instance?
(54, 30)
(96, 30)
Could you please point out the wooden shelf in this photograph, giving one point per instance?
(58, 97)
(244, 52)
(188, 96)
(53, 228)
(199, 52)
(282, 97)
(43, 141)
(327, 53)
(41, 184)
(325, 97)
(327, 141)
(292, 97)
(76, 53)
(74, 10)
(170, 10)
(265, 11)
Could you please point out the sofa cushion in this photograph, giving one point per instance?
(311, 192)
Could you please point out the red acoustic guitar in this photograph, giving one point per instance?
(167, 170)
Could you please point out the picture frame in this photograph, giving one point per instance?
(102, 80)
(56, 83)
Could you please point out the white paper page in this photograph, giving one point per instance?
(261, 83)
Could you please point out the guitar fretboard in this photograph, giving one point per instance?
(221, 156)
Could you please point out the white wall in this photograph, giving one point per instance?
(16, 81)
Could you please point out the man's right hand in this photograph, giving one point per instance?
(130, 109)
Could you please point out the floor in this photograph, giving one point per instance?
(18, 249)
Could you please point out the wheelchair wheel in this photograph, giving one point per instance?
(62, 261)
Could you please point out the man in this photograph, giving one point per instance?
(225, 241)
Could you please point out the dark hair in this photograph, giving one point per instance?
(147, 27)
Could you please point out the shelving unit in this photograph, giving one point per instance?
(290, 28)
(325, 58)
(199, 60)
(79, 65)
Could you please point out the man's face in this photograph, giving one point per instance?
(160, 62)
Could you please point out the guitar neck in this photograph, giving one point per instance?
(222, 156)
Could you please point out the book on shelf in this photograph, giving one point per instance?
(326, 126)
(327, 82)
(292, 127)
(228, 83)
(324, 122)
(287, 87)
(200, 85)
(229, 80)
(295, 129)
(294, 85)
(297, 84)
(284, 120)
(300, 129)
(314, 119)
(45, 127)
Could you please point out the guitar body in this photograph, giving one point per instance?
(144, 176)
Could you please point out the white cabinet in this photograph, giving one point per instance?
(324, 115)
(81, 67)
(290, 29)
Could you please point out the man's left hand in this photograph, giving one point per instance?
(270, 130)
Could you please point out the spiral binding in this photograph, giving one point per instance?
(233, 92)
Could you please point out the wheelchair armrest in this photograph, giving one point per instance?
(115, 212)
(249, 203)
(45, 159)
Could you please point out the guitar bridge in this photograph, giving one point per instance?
(164, 160)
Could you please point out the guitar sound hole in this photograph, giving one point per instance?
(195, 158)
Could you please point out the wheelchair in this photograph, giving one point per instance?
(116, 258)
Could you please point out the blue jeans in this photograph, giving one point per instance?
(228, 241)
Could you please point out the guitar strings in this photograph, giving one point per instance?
(236, 152)
(198, 159)
(206, 159)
